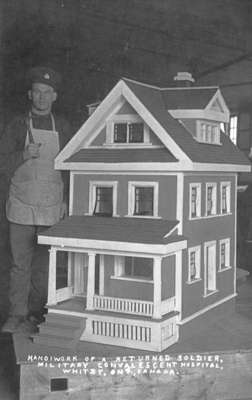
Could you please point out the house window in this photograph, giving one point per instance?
(134, 267)
(210, 267)
(128, 133)
(225, 197)
(126, 129)
(193, 264)
(224, 262)
(143, 199)
(195, 200)
(233, 128)
(208, 132)
(120, 133)
(211, 199)
(103, 201)
(103, 198)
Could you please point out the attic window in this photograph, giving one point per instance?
(208, 132)
(128, 133)
(126, 130)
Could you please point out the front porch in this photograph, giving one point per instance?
(94, 280)
(129, 294)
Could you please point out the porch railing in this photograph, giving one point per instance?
(127, 306)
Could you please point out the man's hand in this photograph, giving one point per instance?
(31, 151)
(63, 210)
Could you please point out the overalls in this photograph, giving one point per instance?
(35, 199)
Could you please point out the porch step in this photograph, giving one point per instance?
(60, 331)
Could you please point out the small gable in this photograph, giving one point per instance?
(125, 128)
(127, 109)
(216, 106)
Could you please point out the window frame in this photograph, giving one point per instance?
(225, 241)
(93, 185)
(119, 270)
(212, 185)
(197, 251)
(233, 128)
(228, 197)
(126, 119)
(132, 198)
(198, 202)
(207, 291)
(208, 132)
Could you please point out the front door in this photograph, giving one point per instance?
(210, 268)
(80, 271)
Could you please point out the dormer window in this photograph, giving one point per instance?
(127, 130)
(208, 132)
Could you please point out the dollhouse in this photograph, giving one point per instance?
(151, 236)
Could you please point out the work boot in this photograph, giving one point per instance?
(12, 324)
(27, 327)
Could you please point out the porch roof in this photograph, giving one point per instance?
(114, 229)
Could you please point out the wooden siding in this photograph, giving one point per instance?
(167, 193)
(168, 277)
(203, 230)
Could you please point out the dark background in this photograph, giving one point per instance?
(95, 42)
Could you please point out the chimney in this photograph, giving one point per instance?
(92, 107)
(184, 79)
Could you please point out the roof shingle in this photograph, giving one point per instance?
(131, 230)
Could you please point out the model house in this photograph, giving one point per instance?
(151, 236)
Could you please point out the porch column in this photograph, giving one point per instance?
(101, 282)
(91, 281)
(178, 283)
(51, 298)
(157, 288)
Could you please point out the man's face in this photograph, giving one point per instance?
(42, 97)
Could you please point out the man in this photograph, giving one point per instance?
(37, 193)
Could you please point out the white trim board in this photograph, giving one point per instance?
(169, 167)
(87, 244)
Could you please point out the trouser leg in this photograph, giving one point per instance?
(39, 278)
(22, 241)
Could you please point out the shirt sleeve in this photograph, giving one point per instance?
(12, 147)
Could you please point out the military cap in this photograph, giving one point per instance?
(44, 75)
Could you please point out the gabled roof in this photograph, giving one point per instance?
(151, 104)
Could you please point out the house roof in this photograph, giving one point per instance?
(130, 230)
(122, 155)
(152, 104)
(188, 98)
(153, 99)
